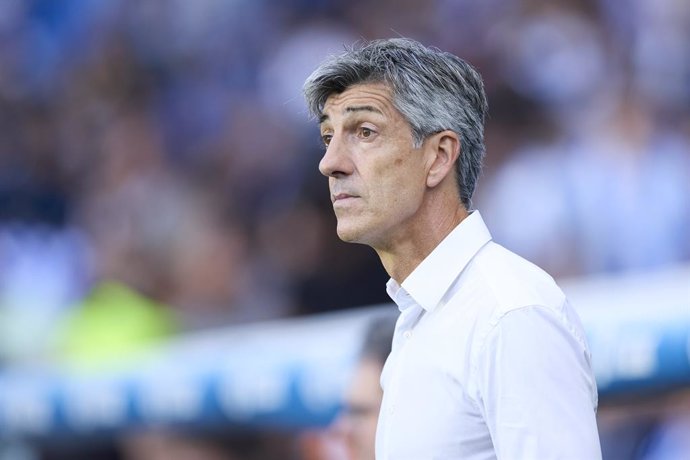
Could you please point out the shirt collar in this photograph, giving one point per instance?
(399, 295)
(428, 283)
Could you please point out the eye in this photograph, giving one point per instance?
(366, 133)
(326, 138)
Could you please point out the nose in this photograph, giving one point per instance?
(336, 161)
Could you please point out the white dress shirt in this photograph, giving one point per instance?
(489, 360)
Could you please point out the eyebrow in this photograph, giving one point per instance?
(352, 109)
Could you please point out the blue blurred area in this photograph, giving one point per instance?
(163, 146)
(290, 375)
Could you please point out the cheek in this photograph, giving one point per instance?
(401, 185)
(364, 435)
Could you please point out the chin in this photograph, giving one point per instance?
(347, 237)
(350, 234)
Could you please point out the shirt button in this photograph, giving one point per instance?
(391, 409)
(407, 334)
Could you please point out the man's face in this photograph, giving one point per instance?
(358, 422)
(376, 176)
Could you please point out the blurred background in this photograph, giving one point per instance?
(158, 181)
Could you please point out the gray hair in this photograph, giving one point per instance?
(433, 90)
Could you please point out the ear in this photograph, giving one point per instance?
(444, 149)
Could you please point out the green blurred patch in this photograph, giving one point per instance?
(113, 327)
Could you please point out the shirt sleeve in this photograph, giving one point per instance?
(536, 388)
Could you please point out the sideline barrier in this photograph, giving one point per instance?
(638, 326)
(290, 374)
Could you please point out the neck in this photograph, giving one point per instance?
(407, 251)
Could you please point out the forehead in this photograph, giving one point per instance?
(370, 97)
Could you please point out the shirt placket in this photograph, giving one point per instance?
(409, 318)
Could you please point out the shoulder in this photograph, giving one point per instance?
(523, 301)
(511, 282)
(519, 295)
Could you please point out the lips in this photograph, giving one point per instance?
(342, 196)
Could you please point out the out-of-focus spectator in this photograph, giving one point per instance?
(163, 147)
(646, 427)
(352, 435)
(358, 421)
(615, 199)
(29, 309)
(127, 107)
(110, 328)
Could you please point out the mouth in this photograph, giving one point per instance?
(342, 197)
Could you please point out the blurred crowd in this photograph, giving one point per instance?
(159, 154)
(165, 147)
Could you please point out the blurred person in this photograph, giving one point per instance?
(29, 309)
(625, 426)
(352, 435)
(214, 280)
(646, 426)
(625, 165)
(622, 164)
(111, 328)
(669, 439)
(359, 418)
(609, 147)
(488, 358)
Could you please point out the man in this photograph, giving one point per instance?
(357, 423)
(352, 434)
(488, 358)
